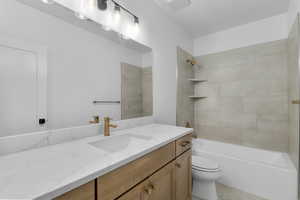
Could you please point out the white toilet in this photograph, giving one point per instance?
(205, 173)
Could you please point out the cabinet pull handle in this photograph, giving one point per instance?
(151, 186)
(185, 143)
(178, 165)
(149, 189)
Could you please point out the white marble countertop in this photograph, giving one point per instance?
(51, 171)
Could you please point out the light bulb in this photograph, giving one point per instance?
(80, 16)
(106, 28)
(117, 16)
(133, 30)
(124, 37)
(48, 1)
(136, 28)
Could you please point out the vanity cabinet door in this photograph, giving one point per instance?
(183, 165)
(119, 181)
(137, 193)
(161, 185)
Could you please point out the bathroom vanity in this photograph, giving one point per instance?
(160, 175)
(147, 162)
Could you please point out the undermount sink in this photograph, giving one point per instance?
(115, 144)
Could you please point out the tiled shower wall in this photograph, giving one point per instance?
(185, 88)
(293, 91)
(147, 86)
(132, 97)
(137, 97)
(247, 101)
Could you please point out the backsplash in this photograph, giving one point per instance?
(13, 144)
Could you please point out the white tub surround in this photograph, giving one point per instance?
(267, 174)
(18, 143)
(51, 171)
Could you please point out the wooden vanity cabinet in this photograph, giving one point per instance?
(115, 183)
(137, 193)
(164, 174)
(183, 177)
(84, 192)
(172, 182)
(159, 186)
(162, 184)
(183, 144)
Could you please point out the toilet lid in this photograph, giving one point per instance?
(204, 164)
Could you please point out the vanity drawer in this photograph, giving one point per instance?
(183, 144)
(84, 192)
(159, 186)
(119, 181)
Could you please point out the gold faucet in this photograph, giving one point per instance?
(107, 126)
(96, 120)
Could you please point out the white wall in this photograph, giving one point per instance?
(82, 67)
(294, 9)
(70, 77)
(147, 60)
(163, 36)
(266, 30)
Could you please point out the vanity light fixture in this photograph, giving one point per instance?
(136, 20)
(102, 4)
(117, 8)
(117, 13)
(136, 24)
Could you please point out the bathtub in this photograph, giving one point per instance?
(267, 174)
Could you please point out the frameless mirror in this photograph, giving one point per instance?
(58, 71)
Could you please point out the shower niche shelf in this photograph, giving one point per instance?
(194, 80)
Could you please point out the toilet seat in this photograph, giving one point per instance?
(205, 170)
(203, 164)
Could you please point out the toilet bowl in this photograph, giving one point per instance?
(205, 172)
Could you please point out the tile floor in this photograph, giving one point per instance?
(228, 193)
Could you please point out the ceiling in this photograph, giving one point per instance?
(203, 17)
